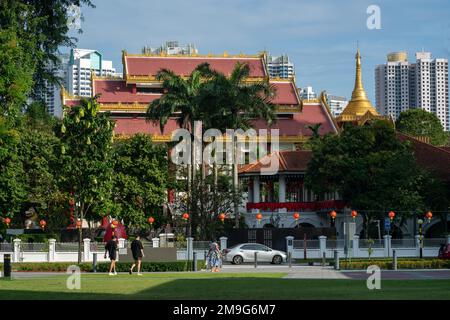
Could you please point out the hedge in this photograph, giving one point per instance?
(401, 264)
(104, 267)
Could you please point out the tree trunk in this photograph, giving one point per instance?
(80, 233)
(235, 186)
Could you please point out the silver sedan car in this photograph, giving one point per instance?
(246, 253)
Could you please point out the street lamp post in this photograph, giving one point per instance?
(420, 223)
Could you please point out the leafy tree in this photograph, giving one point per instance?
(12, 186)
(418, 122)
(44, 24)
(140, 181)
(208, 225)
(87, 163)
(372, 170)
(16, 74)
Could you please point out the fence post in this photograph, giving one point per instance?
(87, 249)
(355, 246)
(155, 242)
(387, 245)
(189, 247)
(6, 266)
(256, 259)
(336, 260)
(394, 260)
(289, 245)
(324, 258)
(194, 261)
(51, 250)
(417, 244)
(121, 246)
(94, 262)
(323, 245)
(16, 250)
(290, 259)
(223, 242)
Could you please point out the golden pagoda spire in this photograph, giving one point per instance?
(359, 104)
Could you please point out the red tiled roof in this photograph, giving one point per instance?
(285, 93)
(149, 66)
(429, 157)
(289, 161)
(131, 125)
(114, 91)
(310, 115)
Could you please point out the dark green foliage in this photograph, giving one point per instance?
(418, 122)
(140, 180)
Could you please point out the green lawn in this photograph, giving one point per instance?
(218, 286)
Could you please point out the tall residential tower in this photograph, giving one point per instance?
(401, 85)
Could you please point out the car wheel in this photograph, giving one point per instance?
(237, 260)
(277, 260)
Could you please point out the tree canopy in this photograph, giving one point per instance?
(418, 122)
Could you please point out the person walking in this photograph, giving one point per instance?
(111, 250)
(137, 249)
(214, 257)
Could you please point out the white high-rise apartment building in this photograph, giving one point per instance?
(337, 104)
(52, 94)
(280, 67)
(172, 47)
(81, 63)
(307, 93)
(401, 85)
(75, 76)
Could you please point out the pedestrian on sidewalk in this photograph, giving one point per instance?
(111, 250)
(137, 249)
(214, 257)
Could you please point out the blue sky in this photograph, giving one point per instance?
(319, 36)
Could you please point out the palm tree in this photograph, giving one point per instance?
(181, 99)
(231, 103)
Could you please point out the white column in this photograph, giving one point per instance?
(417, 247)
(250, 193)
(16, 256)
(387, 245)
(87, 249)
(190, 247)
(282, 191)
(256, 193)
(223, 242)
(323, 245)
(155, 242)
(51, 250)
(355, 245)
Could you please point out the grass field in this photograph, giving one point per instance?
(217, 286)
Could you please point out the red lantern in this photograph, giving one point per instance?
(7, 221)
(42, 223)
(391, 215)
(333, 215)
(296, 216)
(151, 220)
(429, 215)
(114, 224)
(185, 216)
(71, 202)
(259, 216)
(354, 214)
(222, 217)
(79, 224)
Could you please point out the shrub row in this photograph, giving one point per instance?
(104, 267)
(401, 264)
